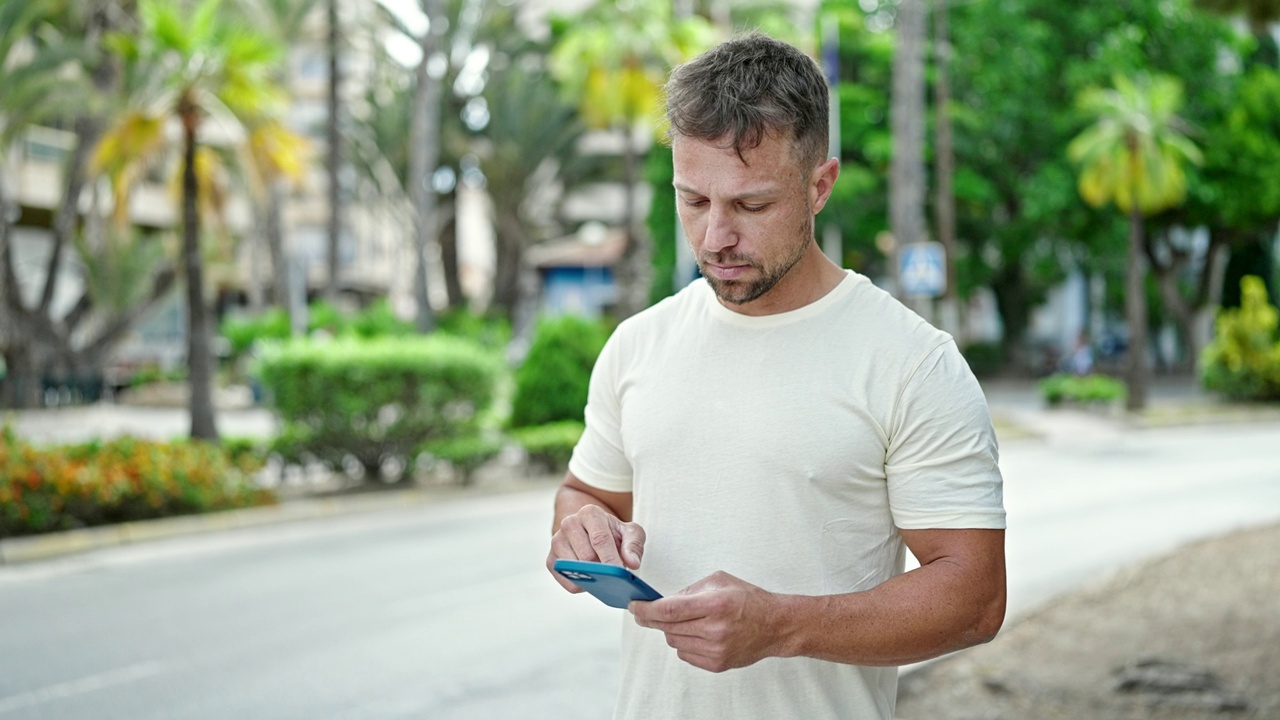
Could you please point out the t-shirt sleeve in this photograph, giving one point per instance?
(598, 459)
(942, 461)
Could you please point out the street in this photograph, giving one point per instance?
(445, 611)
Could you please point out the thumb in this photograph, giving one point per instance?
(632, 545)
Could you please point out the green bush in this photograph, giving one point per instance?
(550, 445)
(1102, 389)
(376, 400)
(322, 316)
(155, 374)
(1243, 361)
(379, 320)
(493, 332)
(466, 453)
(242, 332)
(985, 359)
(552, 382)
(96, 483)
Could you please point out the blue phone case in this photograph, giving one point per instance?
(615, 586)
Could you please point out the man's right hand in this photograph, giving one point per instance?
(596, 535)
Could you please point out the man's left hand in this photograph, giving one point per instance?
(717, 624)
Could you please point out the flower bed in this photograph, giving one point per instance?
(62, 488)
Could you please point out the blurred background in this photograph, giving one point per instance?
(255, 252)
(181, 180)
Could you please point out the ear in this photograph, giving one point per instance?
(821, 182)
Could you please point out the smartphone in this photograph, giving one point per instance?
(615, 586)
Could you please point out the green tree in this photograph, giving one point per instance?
(530, 141)
(1132, 157)
(614, 59)
(1234, 196)
(182, 69)
(1260, 13)
(278, 156)
(1018, 68)
(66, 77)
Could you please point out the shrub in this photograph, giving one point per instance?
(466, 453)
(1243, 360)
(243, 332)
(96, 483)
(1060, 388)
(379, 320)
(328, 318)
(493, 332)
(550, 445)
(552, 382)
(376, 400)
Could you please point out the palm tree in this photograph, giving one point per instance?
(181, 70)
(528, 146)
(1132, 155)
(614, 60)
(278, 156)
(53, 80)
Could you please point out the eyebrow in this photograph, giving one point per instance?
(755, 194)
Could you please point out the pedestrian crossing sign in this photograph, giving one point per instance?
(922, 270)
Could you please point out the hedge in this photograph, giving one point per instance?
(62, 488)
(1102, 389)
(376, 400)
(550, 445)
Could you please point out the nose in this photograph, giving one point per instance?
(720, 232)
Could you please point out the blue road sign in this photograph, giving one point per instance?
(922, 269)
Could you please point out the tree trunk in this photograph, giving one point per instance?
(633, 271)
(448, 241)
(199, 352)
(1014, 307)
(424, 155)
(945, 205)
(510, 258)
(1206, 310)
(88, 129)
(275, 246)
(1135, 304)
(333, 158)
(907, 101)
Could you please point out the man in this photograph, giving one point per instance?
(771, 437)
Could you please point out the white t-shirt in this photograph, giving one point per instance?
(784, 450)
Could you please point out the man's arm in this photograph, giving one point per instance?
(593, 524)
(955, 599)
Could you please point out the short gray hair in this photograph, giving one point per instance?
(746, 88)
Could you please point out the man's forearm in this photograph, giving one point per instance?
(936, 609)
(569, 501)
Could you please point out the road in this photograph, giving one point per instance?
(444, 611)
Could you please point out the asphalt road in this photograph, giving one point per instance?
(444, 611)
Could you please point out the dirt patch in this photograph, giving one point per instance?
(1193, 635)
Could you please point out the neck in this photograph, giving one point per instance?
(809, 281)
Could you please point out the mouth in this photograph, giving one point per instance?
(726, 269)
(728, 272)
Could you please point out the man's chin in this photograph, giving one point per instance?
(735, 292)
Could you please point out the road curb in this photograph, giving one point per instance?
(47, 546)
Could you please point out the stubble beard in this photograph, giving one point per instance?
(741, 292)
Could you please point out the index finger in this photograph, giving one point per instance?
(603, 535)
(671, 609)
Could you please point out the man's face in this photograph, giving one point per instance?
(749, 223)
